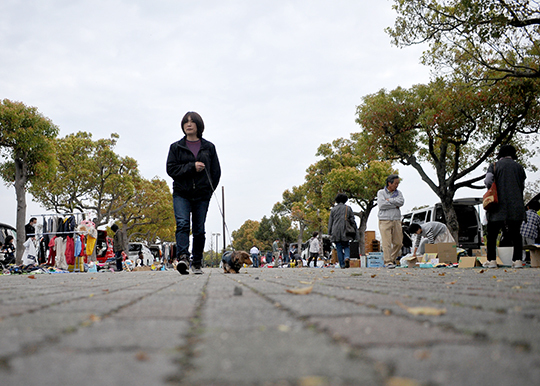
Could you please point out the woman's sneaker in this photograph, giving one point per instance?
(490, 264)
(196, 269)
(183, 266)
(517, 264)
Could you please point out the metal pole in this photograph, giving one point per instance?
(223, 206)
(217, 248)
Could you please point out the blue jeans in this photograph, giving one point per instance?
(255, 260)
(343, 252)
(184, 211)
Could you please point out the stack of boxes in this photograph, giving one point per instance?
(371, 243)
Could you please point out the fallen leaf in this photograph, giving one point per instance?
(442, 274)
(306, 282)
(516, 287)
(300, 291)
(422, 310)
(312, 381)
(398, 381)
(452, 282)
(422, 354)
(142, 356)
(373, 275)
(32, 277)
(94, 318)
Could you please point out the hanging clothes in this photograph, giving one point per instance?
(51, 261)
(91, 241)
(60, 248)
(70, 250)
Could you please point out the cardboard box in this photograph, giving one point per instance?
(446, 252)
(535, 258)
(535, 254)
(469, 262)
(429, 257)
(354, 263)
(410, 261)
(375, 260)
(334, 257)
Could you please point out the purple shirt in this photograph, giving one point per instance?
(194, 146)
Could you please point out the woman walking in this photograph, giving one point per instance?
(337, 227)
(194, 166)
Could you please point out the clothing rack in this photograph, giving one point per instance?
(60, 215)
(58, 233)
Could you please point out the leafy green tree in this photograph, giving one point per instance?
(298, 208)
(275, 227)
(90, 177)
(475, 39)
(349, 167)
(451, 127)
(26, 149)
(244, 238)
(148, 214)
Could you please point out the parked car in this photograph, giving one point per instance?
(5, 231)
(470, 226)
(156, 251)
(135, 249)
(104, 248)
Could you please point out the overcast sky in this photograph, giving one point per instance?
(272, 80)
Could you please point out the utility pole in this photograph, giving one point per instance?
(217, 247)
(223, 206)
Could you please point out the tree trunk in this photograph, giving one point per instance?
(300, 237)
(451, 218)
(20, 192)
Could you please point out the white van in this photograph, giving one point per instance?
(470, 227)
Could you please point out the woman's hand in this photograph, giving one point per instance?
(199, 166)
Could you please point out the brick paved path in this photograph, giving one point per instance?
(152, 328)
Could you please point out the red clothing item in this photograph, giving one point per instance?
(70, 251)
(51, 260)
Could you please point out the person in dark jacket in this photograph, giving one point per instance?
(509, 177)
(29, 229)
(337, 227)
(118, 246)
(194, 167)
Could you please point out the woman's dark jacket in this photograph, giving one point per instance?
(187, 182)
(510, 181)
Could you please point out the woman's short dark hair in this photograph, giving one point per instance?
(390, 179)
(341, 198)
(414, 228)
(315, 234)
(9, 239)
(507, 151)
(196, 118)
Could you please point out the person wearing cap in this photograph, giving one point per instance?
(389, 201)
